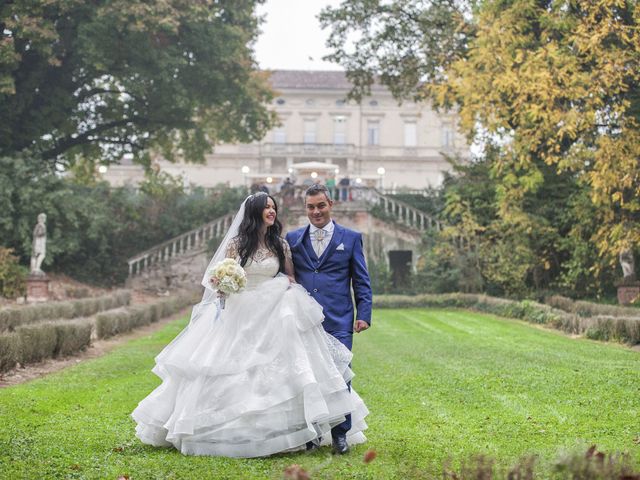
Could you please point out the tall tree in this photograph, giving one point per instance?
(98, 79)
(557, 81)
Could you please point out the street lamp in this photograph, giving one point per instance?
(102, 169)
(381, 172)
(314, 175)
(245, 170)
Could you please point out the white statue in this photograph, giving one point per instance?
(627, 264)
(39, 249)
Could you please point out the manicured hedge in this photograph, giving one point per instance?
(124, 320)
(12, 318)
(590, 309)
(600, 327)
(34, 343)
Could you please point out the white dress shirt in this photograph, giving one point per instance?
(320, 245)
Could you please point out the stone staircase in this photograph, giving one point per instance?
(178, 261)
(404, 213)
(181, 260)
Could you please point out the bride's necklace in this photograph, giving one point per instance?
(262, 252)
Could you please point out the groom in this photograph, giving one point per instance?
(329, 262)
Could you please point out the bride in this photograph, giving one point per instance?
(258, 374)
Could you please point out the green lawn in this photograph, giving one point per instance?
(440, 384)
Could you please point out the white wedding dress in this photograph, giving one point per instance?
(263, 377)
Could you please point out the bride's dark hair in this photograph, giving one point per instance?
(249, 230)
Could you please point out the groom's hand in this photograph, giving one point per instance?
(361, 325)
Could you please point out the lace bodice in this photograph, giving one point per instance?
(264, 264)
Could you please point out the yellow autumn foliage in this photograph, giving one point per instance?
(558, 81)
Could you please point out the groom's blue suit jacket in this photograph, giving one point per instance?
(330, 278)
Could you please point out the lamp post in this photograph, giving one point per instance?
(245, 170)
(381, 172)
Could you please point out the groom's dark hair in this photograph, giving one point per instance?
(317, 189)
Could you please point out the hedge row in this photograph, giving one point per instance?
(590, 309)
(12, 318)
(33, 343)
(124, 320)
(600, 327)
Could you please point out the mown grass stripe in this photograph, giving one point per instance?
(439, 384)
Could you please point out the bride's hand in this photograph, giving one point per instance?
(221, 294)
(292, 279)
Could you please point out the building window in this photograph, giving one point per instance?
(340, 103)
(373, 132)
(309, 102)
(279, 135)
(447, 137)
(339, 130)
(280, 101)
(410, 134)
(373, 103)
(309, 131)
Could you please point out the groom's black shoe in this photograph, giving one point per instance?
(312, 447)
(340, 445)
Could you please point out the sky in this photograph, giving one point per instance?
(291, 36)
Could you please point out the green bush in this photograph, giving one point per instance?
(111, 323)
(9, 351)
(34, 343)
(13, 276)
(98, 227)
(77, 292)
(117, 322)
(72, 337)
(622, 329)
(11, 318)
(37, 342)
(590, 309)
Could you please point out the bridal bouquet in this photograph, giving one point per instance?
(227, 277)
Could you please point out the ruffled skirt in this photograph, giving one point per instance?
(263, 377)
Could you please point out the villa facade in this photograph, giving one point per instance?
(377, 142)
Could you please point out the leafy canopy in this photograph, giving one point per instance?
(103, 78)
(556, 83)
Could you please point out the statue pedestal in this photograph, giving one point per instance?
(628, 292)
(37, 288)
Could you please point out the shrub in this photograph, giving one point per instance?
(590, 309)
(11, 318)
(72, 337)
(623, 329)
(37, 342)
(77, 292)
(120, 321)
(9, 351)
(13, 276)
(111, 323)
(558, 301)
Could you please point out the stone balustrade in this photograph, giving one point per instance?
(403, 212)
(178, 246)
